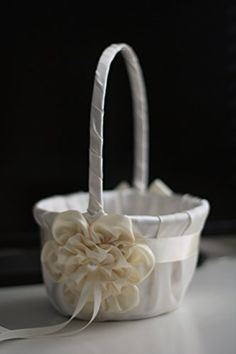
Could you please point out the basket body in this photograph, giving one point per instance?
(176, 216)
(124, 254)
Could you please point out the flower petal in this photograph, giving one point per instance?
(67, 224)
(113, 227)
(142, 259)
(49, 256)
(127, 300)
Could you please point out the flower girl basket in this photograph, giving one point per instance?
(124, 254)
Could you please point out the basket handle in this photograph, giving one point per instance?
(140, 179)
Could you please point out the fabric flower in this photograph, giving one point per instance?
(106, 252)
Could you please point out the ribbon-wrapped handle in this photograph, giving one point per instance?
(95, 207)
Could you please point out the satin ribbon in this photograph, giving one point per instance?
(173, 249)
(170, 249)
(54, 330)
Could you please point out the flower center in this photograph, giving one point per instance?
(92, 267)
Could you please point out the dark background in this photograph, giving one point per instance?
(187, 52)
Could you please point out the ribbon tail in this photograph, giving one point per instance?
(7, 334)
(96, 307)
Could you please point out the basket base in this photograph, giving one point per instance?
(162, 292)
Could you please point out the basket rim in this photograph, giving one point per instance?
(199, 207)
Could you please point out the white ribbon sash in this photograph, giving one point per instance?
(173, 249)
(170, 249)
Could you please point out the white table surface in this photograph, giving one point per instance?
(205, 324)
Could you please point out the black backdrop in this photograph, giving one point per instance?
(50, 54)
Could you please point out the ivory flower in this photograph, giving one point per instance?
(106, 252)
